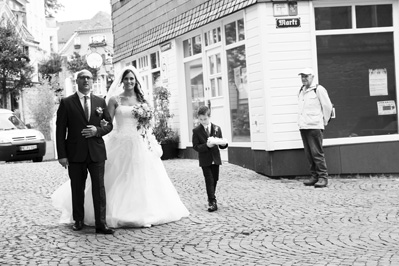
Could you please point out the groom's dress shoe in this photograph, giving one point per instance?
(104, 230)
(77, 226)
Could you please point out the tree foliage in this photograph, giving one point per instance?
(15, 70)
(79, 63)
(50, 67)
(52, 6)
(43, 112)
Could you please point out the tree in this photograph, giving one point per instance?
(79, 63)
(52, 6)
(52, 66)
(15, 70)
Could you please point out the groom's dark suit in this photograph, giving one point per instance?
(84, 153)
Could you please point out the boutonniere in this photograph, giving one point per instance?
(99, 112)
(216, 130)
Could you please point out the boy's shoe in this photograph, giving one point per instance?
(212, 207)
(323, 182)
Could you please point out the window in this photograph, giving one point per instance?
(373, 16)
(97, 39)
(143, 62)
(238, 94)
(156, 79)
(213, 36)
(330, 18)
(215, 74)
(195, 90)
(358, 71)
(234, 32)
(154, 58)
(367, 16)
(76, 41)
(192, 46)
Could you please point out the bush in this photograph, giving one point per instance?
(43, 106)
(162, 131)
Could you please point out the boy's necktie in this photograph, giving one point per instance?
(207, 131)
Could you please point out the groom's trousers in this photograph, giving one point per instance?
(78, 175)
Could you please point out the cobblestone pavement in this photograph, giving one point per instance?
(260, 221)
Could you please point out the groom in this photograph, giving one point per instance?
(80, 148)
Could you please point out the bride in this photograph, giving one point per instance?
(138, 190)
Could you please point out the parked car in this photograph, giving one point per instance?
(17, 141)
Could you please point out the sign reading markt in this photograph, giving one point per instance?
(288, 23)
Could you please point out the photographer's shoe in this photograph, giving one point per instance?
(323, 182)
(311, 182)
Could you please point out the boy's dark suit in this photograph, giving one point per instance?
(209, 158)
(83, 153)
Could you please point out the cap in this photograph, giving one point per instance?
(306, 71)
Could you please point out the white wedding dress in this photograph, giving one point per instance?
(138, 190)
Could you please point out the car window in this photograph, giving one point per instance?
(9, 122)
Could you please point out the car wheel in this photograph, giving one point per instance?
(37, 159)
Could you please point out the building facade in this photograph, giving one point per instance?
(92, 39)
(242, 58)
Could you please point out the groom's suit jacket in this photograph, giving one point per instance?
(207, 155)
(71, 120)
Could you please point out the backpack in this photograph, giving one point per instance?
(332, 115)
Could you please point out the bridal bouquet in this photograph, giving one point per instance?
(143, 113)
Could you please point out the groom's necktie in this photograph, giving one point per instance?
(86, 107)
(207, 131)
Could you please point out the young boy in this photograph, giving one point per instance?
(208, 153)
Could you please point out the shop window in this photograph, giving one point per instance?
(238, 94)
(373, 16)
(192, 46)
(234, 32)
(358, 71)
(213, 36)
(329, 18)
(154, 59)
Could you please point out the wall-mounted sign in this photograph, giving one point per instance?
(94, 60)
(285, 9)
(166, 46)
(288, 23)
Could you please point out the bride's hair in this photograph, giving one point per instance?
(139, 94)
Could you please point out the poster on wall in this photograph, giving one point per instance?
(378, 82)
(386, 107)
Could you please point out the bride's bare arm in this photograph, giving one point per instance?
(112, 104)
